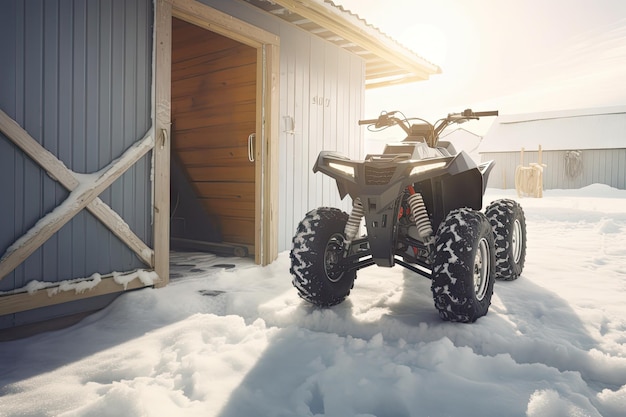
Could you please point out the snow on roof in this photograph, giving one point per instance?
(598, 128)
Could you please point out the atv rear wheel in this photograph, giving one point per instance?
(316, 256)
(509, 229)
(463, 273)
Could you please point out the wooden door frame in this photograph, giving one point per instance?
(267, 46)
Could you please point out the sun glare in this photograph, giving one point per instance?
(428, 41)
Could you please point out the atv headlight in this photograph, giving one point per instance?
(346, 169)
(427, 167)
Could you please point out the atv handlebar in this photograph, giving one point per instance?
(387, 119)
(469, 114)
(384, 120)
(486, 113)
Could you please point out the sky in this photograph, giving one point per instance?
(228, 338)
(511, 56)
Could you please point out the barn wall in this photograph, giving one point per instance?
(76, 76)
(601, 166)
(322, 90)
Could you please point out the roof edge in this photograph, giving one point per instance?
(409, 66)
(560, 114)
(376, 31)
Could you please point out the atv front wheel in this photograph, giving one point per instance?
(463, 273)
(509, 228)
(316, 256)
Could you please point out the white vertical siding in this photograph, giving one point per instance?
(322, 92)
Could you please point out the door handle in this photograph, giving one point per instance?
(163, 137)
(251, 138)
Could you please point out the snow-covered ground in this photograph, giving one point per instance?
(223, 341)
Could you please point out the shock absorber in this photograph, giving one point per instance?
(354, 220)
(420, 215)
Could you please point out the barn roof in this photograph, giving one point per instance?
(597, 128)
(386, 61)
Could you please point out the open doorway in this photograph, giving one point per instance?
(214, 119)
(191, 32)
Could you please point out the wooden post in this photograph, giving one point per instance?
(271, 123)
(540, 168)
(161, 154)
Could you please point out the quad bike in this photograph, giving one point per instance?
(421, 203)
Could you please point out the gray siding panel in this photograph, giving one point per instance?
(621, 169)
(599, 166)
(79, 82)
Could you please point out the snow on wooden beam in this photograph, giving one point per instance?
(79, 198)
(58, 171)
(42, 294)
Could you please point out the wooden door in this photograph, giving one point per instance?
(266, 45)
(214, 112)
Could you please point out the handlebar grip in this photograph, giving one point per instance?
(486, 113)
(368, 122)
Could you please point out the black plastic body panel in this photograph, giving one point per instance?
(445, 183)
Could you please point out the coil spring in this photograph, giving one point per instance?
(354, 220)
(420, 215)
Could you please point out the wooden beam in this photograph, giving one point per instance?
(57, 170)
(206, 17)
(78, 199)
(385, 72)
(387, 82)
(259, 164)
(162, 125)
(13, 303)
(266, 155)
(271, 126)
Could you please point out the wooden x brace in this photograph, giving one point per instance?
(82, 194)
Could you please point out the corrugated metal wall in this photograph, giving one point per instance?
(601, 166)
(322, 91)
(76, 75)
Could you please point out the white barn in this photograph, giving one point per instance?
(579, 147)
